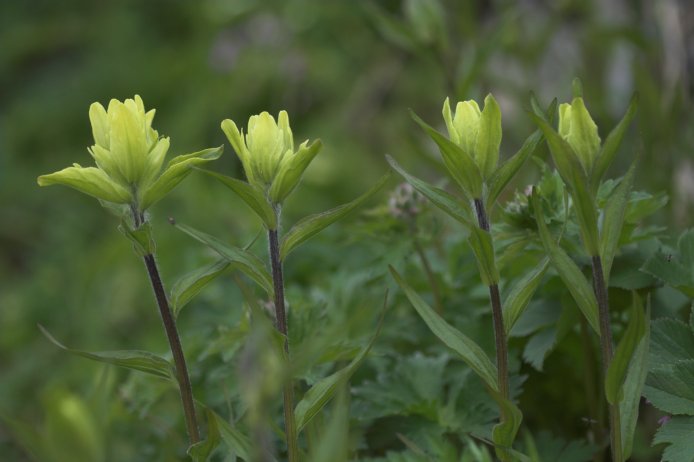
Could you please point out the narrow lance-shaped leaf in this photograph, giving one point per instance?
(617, 371)
(192, 283)
(322, 391)
(311, 225)
(251, 265)
(459, 163)
(201, 452)
(633, 387)
(586, 212)
(569, 272)
(564, 157)
(521, 294)
(137, 360)
(611, 144)
(236, 441)
(489, 136)
(505, 432)
(483, 249)
(613, 221)
(252, 195)
(459, 210)
(471, 353)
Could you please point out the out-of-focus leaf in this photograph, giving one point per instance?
(522, 293)
(505, 432)
(467, 349)
(333, 443)
(137, 360)
(201, 451)
(236, 441)
(251, 265)
(613, 222)
(568, 271)
(192, 283)
(459, 210)
(617, 371)
(677, 434)
(309, 226)
(459, 163)
(252, 195)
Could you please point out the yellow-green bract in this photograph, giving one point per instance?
(129, 155)
(577, 127)
(267, 153)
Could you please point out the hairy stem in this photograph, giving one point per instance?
(497, 316)
(606, 351)
(281, 315)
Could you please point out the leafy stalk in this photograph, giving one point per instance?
(281, 315)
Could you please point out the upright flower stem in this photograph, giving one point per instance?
(497, 315)
(281, 315)
(606, 352)
(174, 342)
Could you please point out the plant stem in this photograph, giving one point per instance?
(281, 315)
(497, 316)
(169, 322)
(606, 349)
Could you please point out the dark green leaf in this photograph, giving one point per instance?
(236, 441)
(522, 293)
(505, 432)
(677, 433)
(192, 283)
(483, 249)
(613, 222)
(201, 451)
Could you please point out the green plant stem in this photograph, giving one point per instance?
(281, 315)
(606, 350)
(169, 322)
(497, 316)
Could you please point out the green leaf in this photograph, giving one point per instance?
(201, 451)
(633, 387)
(251, 265)
(137, 360)
(311, 225)
(617, 371)
(677, 433)
(322, 391)
(236, 441)
(459, 163)
(176, 170)
(489, 136)
(521, 294)
(333, 442)
(613, 221)
(668, 270)
(467, 349)
(611, 144)
(569, 272)
(89, 180)
(503, 175)
(252, 195)
(564, 157)
(483, 249)
(459, 210)
(141, 238)
(505, 432)
(192, 283)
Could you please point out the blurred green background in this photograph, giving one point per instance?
(347, 72)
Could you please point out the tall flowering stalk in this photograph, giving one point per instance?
(129, 178)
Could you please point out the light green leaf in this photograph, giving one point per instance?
(236, 441)
(137, 360)
(252, 195)
(633, 387)
(613, 221)
(467, 349)
(192, 283)
(333, 442)
(677, 433)
(202, 451)
(505, 432)
(459, 163)
(483, 249)
(251, 265)
(141, 238)
(611, 144)
(322, 391)
(586, 212)
(564, 157)
(489, 137)
(88, 180)
(459, 210)
(311, 225)
(569, 272)
(617, 371)
(521, 294)
(176, 170)
(291, 170)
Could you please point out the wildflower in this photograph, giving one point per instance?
(577, 127)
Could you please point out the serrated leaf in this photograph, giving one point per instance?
(521, 294)
(611, 144)
(617, 371)
(614, 221)
(483, 249)
(677, 433)
(312, 225)
(668, 270)
(505, 432)
(187, 287)
(568, 271)
(459, 210)
(322, 391)
(251, 265)
(137, 360)
(459, 163)
(672, 390)
(471, 353)
(252, 195)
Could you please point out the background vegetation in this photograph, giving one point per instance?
(347, 72)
